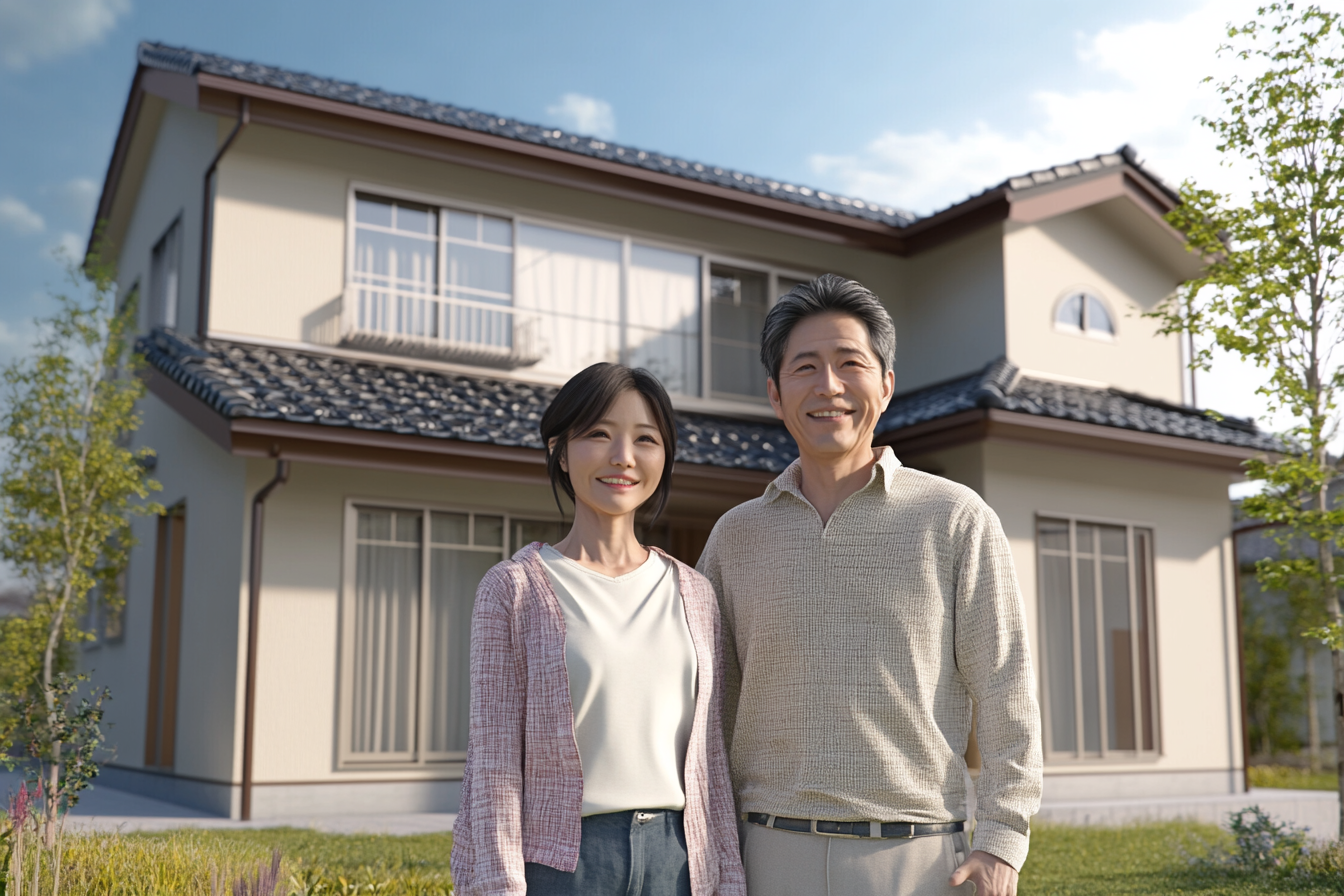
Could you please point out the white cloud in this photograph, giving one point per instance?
(35, 30)
(1156, 69)
(80, 195)
(18, 217)
(70, 247)
(583, 115)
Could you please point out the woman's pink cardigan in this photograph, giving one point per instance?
(522, 790)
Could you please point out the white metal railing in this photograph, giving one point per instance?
(384, 319)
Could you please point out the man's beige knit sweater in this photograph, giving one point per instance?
(854, 650)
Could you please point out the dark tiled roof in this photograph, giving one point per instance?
(999, 386)
(239, 380)
(177, 59)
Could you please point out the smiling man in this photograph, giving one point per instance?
(865, 605)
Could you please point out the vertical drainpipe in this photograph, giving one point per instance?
(253, 611)
(207, 218)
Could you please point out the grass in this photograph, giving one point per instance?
(1285, 776)
(1131, 861)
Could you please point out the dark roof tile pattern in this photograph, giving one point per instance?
(998, 385)
(240, 380)
(185, 61)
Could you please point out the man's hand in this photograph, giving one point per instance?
(991, 875)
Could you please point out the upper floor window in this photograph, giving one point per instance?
(165, 275)
(1082, 312)
(1098, 669)
(487, 290)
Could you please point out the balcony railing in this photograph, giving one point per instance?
(467, 331)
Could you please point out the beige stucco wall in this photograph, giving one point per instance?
(297, 663)
(194, 470)
(280, 228)
(172, 184)
(950, 318)
(1087, 250)
(1195, 622)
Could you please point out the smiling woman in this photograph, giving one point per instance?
(625, 785)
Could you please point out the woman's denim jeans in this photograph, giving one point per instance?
(637, 853)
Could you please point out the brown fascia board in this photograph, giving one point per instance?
(344, 446)
(120, 148)
(995, 424)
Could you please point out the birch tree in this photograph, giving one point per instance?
(1272, 291)
(69, 487)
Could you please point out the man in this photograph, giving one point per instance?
(864, 605)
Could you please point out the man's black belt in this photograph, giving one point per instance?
(887, 829)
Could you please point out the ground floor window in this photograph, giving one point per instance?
(1098, 663)
(409, 586)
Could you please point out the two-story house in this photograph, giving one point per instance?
(356, 305)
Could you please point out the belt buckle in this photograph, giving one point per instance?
(835, 834)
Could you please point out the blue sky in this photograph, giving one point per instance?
(913, 104)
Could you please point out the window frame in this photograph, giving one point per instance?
(1084, 331)
(420, 757)
(704, 398)
(1080, 755)
(151, 306)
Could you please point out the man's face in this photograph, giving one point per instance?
(831, 388)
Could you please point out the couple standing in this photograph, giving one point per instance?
(833, 638)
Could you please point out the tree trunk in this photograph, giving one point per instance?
(1331, 595)
(1313, 714)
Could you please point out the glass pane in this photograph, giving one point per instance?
(1070, 313)
(1098, 318)
(1053, 534)
(477, 268)
(496, 231)
(387, 596)
(398, 261)
(369, 210)
(408, 526)
(489, 531)
(664, 317)
(738, 304)
(416, 219)
(448, 528)
(454, 575)
(1114, 541)
(573, 282)
(1119, 660)
(527, 531)
(1057, 613)
(1143, 571)
(1085, 535)
(1087, 642)
(462, 225)
(375, 525)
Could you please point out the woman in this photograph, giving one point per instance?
(595, 763)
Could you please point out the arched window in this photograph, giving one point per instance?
(1084, 313)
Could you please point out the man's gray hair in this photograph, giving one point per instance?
(827, 293)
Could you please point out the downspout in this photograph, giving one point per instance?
(253, 611)
(207, 219)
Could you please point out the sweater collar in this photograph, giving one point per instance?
(882, 477)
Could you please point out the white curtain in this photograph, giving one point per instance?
(664, 316)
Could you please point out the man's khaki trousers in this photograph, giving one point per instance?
(783, 863)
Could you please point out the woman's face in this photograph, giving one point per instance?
(616, 464)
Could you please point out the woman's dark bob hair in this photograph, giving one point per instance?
(584, 400)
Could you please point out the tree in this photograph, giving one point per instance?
(1271, 291)
(68, 489)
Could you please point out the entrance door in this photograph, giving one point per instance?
(165, 639)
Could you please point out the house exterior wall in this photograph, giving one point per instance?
(211, 483)
(950, 314)
(278, 264)
(172, 184)
(1086, 249)
(1195, 605)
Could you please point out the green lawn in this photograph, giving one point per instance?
(1147, 859)
(1292, 778)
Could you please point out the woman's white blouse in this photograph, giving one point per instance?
(632, 682)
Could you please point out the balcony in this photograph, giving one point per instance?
(465, 331)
